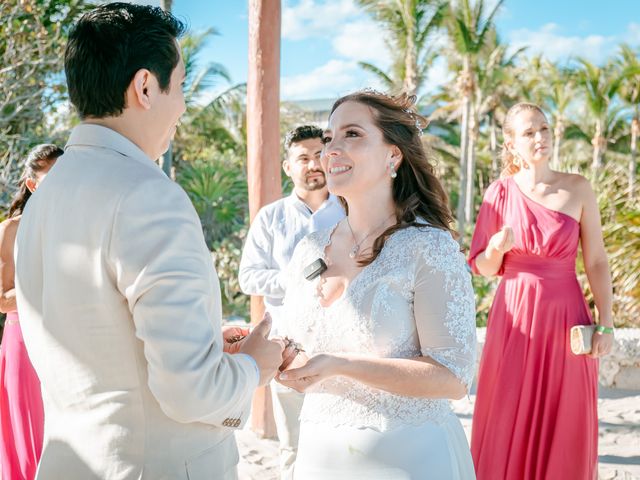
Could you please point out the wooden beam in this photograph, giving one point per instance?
(263, 148)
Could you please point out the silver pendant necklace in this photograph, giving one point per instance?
(353, 253)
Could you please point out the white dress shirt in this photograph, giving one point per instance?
(271, 240)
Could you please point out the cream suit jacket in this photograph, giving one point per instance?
(119, 303)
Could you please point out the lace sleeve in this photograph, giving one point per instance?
(444, 305)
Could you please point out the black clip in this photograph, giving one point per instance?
(314, 269)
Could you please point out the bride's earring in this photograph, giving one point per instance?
(392, 170)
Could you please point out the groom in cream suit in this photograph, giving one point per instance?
(118, 298)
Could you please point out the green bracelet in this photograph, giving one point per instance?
(603, 329)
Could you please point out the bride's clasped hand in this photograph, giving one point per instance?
(304, 373)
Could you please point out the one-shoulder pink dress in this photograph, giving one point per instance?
(535, 415)
(21, 410)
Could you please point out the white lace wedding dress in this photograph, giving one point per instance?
(414, 299)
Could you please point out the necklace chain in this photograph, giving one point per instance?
(356, 245)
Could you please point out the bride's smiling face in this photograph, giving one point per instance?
(355, 156)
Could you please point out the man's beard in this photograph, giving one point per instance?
(316, 183)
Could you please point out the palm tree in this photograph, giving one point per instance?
(629, 64)
(531, 83)
(495, 90)
(556, 98)
(219, 126)
(197, 79)
(409, 25)
(469, 31)
(600, 86)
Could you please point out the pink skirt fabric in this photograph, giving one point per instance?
(21, 411)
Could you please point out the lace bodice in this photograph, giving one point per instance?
(414, 299)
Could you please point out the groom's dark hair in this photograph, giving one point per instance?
(109, 45)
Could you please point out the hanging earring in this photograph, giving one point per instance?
(514, 158)
(392, 170)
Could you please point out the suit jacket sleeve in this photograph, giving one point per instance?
(165, 272)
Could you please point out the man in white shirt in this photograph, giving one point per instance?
(118, 297)
(272, 238)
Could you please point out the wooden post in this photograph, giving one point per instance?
(263, 148)
(166, 161)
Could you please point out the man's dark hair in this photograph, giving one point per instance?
(109, 45)
(303, 132)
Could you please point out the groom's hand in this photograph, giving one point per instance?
(266, 353)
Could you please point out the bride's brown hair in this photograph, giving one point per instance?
(418, 195)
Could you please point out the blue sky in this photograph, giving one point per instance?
(322, 40)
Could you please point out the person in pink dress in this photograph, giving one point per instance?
(536, 408)
(21, 410)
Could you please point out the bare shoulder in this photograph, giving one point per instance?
(576, 184)
(8, 230)
(9, 227)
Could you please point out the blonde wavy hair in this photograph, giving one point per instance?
(510, 165)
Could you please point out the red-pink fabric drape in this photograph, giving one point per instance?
(535, 415)
(21, 410)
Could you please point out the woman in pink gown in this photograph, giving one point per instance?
(536, 409)
(21, 410)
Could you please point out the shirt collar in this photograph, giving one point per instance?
(91, 135)
(295, 201)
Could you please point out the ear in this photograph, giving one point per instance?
(141, 88)
(396, 156)
(31, 184)
(286, 166)
(508, 144)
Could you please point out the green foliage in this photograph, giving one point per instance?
(484, 288)
(226, 255)
(218, 189)
(217, 186)
(219, 126)
(409, 26)
(621, 232)
(199, 78)
(32, 42)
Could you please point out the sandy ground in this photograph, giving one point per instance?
(619, 439)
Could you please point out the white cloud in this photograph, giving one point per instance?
(364, 41)
(310, 18)
(632, 35)
(328, 80)
(438, 75)
(352, 33)
(353, 37)
(550, 42)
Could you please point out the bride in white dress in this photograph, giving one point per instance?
(389, 327)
